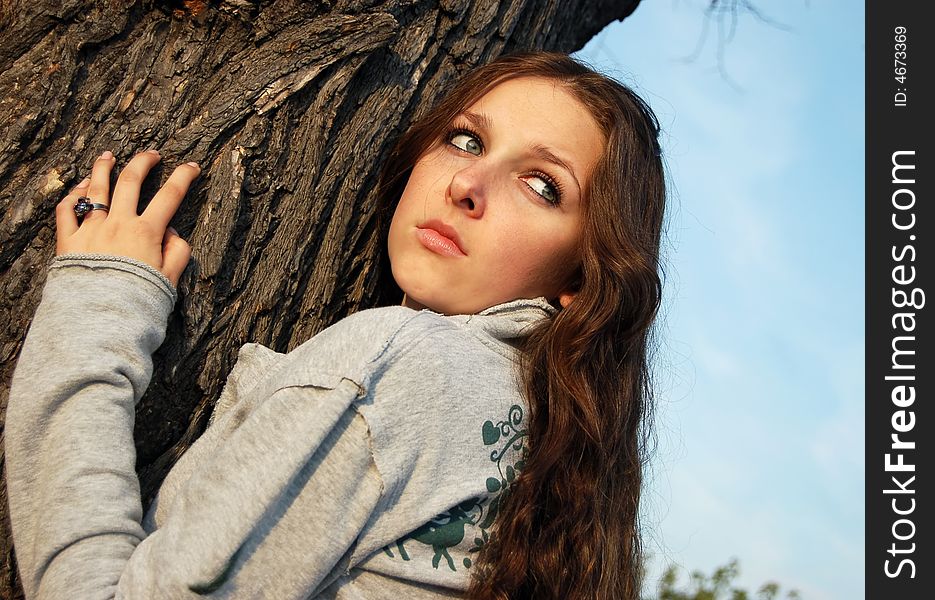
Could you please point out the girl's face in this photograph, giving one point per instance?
(493, 211)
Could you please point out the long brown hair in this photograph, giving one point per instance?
(568, 526)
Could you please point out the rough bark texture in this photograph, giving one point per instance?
(287, 105)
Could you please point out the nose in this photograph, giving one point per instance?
(469, 188)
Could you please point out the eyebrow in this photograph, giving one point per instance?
(482, 121)
(547, 155)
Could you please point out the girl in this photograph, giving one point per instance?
(482, 439)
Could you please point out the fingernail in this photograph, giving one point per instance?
(153, 151)
(107, 154)
(84, 182)
(193, 164)
(172, 230)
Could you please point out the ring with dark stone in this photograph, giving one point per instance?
(84, 206)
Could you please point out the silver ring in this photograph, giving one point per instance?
(84, 206)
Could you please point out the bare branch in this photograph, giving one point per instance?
(725, 14)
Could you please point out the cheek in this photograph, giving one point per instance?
(543, 254)
(424, 181)
(410, 204)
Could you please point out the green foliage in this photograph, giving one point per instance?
(717, 586)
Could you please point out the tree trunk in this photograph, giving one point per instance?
(287, 105)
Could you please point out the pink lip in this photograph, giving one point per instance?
(440, 238)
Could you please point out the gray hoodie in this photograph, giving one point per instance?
(366, 463)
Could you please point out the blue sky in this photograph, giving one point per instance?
(760, 375)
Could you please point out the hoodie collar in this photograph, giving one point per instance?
(503, 325)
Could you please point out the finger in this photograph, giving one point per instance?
(99, 190)
(175, 255)
(66, 222)
(127, 190)
(167, 199)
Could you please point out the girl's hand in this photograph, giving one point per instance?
(120, 231)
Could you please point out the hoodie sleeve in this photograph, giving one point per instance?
(73, 491)
(273, 510)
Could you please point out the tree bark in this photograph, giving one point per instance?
(287, 105)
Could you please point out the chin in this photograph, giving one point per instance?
(415, 297)
(418, 301)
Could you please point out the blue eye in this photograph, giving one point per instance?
(465, 140)
(544, 189)
(545, 186)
